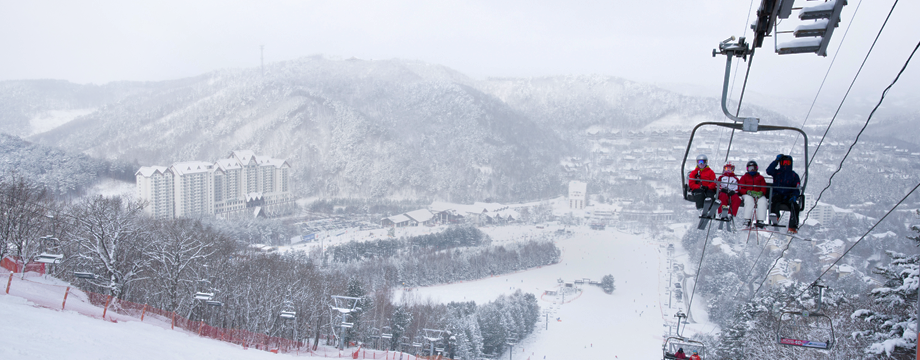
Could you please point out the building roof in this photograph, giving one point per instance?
(228, 164)
(148, 171)
(396, 219)
(421, 216)
(192, 167)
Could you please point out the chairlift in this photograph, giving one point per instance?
(203, 296)
(805, 329)
(800, 200)
(214, 303)
(386, 333)
(49, 258)
(439, 349)
(288, 315)
(84, 275)
(673, 343)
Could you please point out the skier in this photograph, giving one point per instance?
(728, 192)
(680, 354)
(752, 189)
(785, 189)
(702, 182)
(695, 356)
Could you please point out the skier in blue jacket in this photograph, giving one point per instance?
(785, 189)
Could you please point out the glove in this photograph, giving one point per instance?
(794, 198)
(755, 194)
(780, 156)
(731, 193)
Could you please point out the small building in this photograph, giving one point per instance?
(396, 221)
(577, 194)
(421, 217)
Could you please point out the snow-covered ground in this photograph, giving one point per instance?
(631, 323)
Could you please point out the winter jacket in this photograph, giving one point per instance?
(695, 357)
(698, 177)
(728, 182)
(752, 181)
(784, 176)
(680, 355)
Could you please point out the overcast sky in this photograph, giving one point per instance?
(662, 42)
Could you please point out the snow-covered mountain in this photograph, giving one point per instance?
(355, 128)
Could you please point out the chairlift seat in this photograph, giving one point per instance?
(288, 315)
(49, 258)
(386, 336)
(84, 275)
(214, 303)
(203, 296)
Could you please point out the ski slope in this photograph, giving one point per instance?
(631, 323)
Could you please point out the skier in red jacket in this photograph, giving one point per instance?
(753, 189)
(728, 192)
(702, 181)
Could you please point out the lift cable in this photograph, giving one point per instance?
(864, 235)
(699, 268)
(829, 67)
(781, 254)
(856, 140)
(815, 153)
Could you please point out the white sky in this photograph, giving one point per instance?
(663, 42)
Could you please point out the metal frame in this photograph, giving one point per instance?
(675, 342)
(789, 320)
(737, 126)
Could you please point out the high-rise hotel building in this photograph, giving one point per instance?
(244, 183)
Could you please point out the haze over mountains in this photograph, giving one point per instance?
(356, 128)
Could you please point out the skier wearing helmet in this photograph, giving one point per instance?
(785, 189)
(695, 356)
(728, 192)
(753, 191)
(702, 181)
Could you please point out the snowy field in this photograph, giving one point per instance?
(629, 324)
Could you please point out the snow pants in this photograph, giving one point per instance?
(793, 214)
(760, 204)
(733, 200)
(700, 195)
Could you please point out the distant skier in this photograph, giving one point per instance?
(728, 192)
(785, 189)
(702, 181)
(753, 189)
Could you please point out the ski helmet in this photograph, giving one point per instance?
(750, 164)
(786, 161)
(702, 159)
(729, 167)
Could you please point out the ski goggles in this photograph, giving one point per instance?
(786, 163)
(701, 162)
(752, 168)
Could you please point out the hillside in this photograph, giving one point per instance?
(355, 128)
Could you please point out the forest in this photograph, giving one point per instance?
(164, 263)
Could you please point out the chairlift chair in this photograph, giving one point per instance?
(84, 275)
(673, 343)
(203, 296)
(805, 329)
(214, 303)
(49, 258)
(748, 127)
(288, 315)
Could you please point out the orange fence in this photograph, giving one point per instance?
(51, 293)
